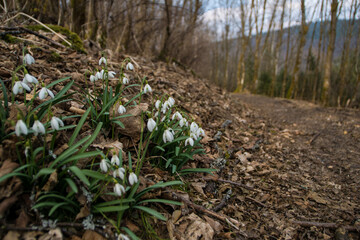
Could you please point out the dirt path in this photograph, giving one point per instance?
(319, 152)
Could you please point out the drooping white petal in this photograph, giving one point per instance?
(119, 172)
(189, 141)
(111, 74)
(121, 109)
(147, 89)
(119, 189)
(102, 60)
(56, 123)
(104, 165)
(20, 128)
(30, 79)
(28, 59)
(129, 66)
(171, 101)
(133, 178)
(98, 75)
(200, 132)
(93, 78)
(38, 127)
(194, 127)
(123, 237)
(115, 160)
(151, 124)
(43, 93)
(183, 122)
(157, 104)
(168, 135)
(177, 115)
(125, 80)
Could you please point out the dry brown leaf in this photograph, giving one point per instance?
(32, 235)
(7, 167)
(130, 225)
(84, 212)
(53, 234)
(92, 235)
(176, 215)
(194, 227)
(12, 235)
(51, 183)
(314, 196)
(115, 146)
(218, 227)
(133, 124)
(6, 204)
(23, 219)
(199, 187)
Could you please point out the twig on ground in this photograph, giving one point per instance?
(256, 201)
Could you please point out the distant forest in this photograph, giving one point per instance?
(316, 60)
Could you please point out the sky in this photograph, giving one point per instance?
(218, 12)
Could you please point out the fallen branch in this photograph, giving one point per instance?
(232, 222)
(19, 30)
(326, 225)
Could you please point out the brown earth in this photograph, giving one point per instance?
(286, 169)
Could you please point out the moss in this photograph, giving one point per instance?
(10, 39)
(72, 37)
(55, 57)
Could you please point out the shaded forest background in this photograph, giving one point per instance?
(257, 49)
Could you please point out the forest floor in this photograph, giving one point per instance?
(286, 169)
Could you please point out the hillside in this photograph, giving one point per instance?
(282, 169)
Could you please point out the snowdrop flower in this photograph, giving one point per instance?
(164, 107)
(168, 135)
(171, 101)
(121, 109)
(156, 114)
(189, 141)
(129, 66)
(30, 79)
(20, 128)
(111, 74)
(102, 60)
(183, 122)
(104, 166)
(38, 127)
(44, 92)
(119, 189)
(176, 115)
(200, 132)
(93, 78)
(151, 124)
(163, 118)
(157, 104)
(147, 89)
(99, 75)
(194, 127)
(28, 59)
(119, 172)
(115, 160)
(133, 178)
(56, 123)
(123, 237)
(19, 87)
(125, 80)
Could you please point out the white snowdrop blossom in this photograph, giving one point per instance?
(28, 59)
(19, 87)
(120, 172)
(194, 127)
(99, 75)
(102, 60)
(56, 123)
(111, 74)
(189, 141)
(125, 80)
(121, 109)
(163, 118)
(151, 124)
(156, 114)
(157, 104)
(132, 178)
(38, 127)
(147, 89)
(168, 135)
(171, 101)
(123, 237)
(119, 189)
(176, 115)
(194, 136)
(115, 160)
(30, 79)
(20, 128)
(183, 122)
(104, 166)
(93, 78)
(200, 132)
(164, 107)
(129, 66)
(44, 92)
